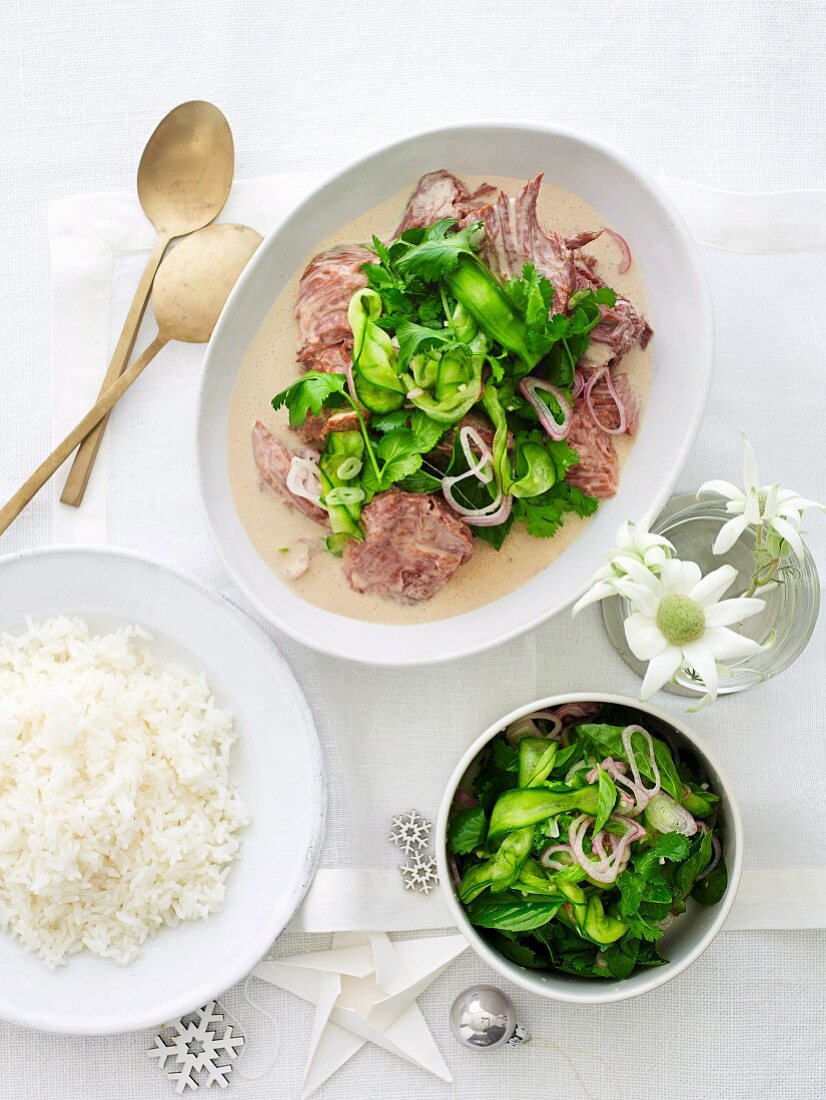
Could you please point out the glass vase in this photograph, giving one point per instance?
(783, 627)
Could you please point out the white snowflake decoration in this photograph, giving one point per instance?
(420, 874)
(410, 832)
(202, 1045)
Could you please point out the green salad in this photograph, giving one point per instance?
(436, 337)
(581, 838)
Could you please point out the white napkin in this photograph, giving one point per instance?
(383, 756)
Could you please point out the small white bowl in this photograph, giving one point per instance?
(679, 308)
(685, 940)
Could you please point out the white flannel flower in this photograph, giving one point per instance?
(679, 623)
(636, 546)
(780, 509)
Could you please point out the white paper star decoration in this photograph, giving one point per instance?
(365, 990)
(200, 1042)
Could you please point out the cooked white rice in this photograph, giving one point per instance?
(117, 814)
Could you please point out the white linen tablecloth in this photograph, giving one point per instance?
(728, 96)
(383, 757)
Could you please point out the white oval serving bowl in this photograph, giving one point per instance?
(276, 764)
(679, 308)
(690, 934)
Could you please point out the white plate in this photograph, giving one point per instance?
(679, 308)
(276, 765)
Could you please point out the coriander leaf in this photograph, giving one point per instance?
(505, 756)
(564, 458)
(531, 293)
(543, 515)
(386, 422)
(520, 953)
(605, 296)
(381, 250)
(439, 252)
(414, 338)
(631, 887)
(400, 451)
(658, 891)
(397, 450)
(309, 394)
(644, 929)
(467, 830)
(670, 846)
(426, 432)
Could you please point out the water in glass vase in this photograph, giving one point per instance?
(792, 599)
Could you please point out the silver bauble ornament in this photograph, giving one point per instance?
(484, 1018)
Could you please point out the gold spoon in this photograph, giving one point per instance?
(191, 288)
(184, 178)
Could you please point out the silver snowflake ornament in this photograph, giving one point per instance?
(420, 874)
(410, 832)
(202, 1048)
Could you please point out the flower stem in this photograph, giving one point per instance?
(763, 574)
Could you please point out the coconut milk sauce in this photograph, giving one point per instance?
(270, 366)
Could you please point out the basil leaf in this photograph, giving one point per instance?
(695, 863)
(607, 798)
(608, 740)
(420, 482)
(621, 957)
(510, 912)
(467, 830)
(709, 891)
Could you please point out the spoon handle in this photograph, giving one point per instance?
(11, 510)
(78, 477)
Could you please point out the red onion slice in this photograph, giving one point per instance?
(483, 465)
(632, 760)
(303, 479)
(522, 727)
(572, 712)
(481, 468)
(464, 799)
(554, 864)
(454, 870)
(546, 716)
(627, 260)
(715, 859)
(501, 515)
(610, 864)
(599, 373)
(528, 387)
